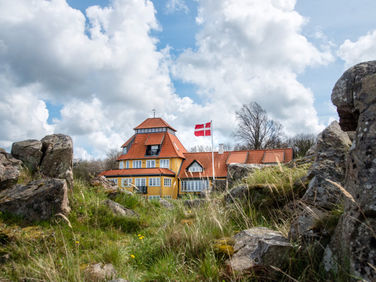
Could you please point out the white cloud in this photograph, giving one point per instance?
(176, 5)
(252, 51)
(364, 49)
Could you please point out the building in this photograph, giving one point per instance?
(155, 163)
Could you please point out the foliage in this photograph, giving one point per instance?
(301, 143)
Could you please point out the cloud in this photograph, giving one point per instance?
(363, 49)
(252, 51)
(175, 6)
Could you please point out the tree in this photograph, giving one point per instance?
(111, 157)
(255, 129)
(301, 143)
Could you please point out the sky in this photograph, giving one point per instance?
(95, 69)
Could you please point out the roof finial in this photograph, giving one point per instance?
(153, 112)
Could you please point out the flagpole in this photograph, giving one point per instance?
(212, 133)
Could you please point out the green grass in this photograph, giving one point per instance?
(177, 244)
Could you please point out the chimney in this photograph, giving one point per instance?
(220, 149)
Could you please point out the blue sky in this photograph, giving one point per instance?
(95, 69)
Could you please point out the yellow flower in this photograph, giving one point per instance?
(77, 242)
(132, 256)
(139, 235)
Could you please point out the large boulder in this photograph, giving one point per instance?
(57, 161)
(107, 185)
(38, 200)
(257, 249)
(119, 210)
(330, 163)
(238, 171)
(9, 170)
(355, 97)
(29, 152)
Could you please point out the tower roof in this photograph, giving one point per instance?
(154, 123)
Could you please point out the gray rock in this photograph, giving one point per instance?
(258, 248)
(102, 181)
(118, 280)
(119, 210)
(239, 171)
(194, 203)
(29, 152)
(9, 170)
(57, 161)
(330, 163)
(100, 272)
(239, 192)
(166, 204)
(355, 97)
(304, 223)
(38, 200)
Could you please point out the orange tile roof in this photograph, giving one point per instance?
(153, 123)
(170, 147)
(237, 157)
(273, 157)
(128, 141)
(155, 139)
(205, 160)
(138, 172)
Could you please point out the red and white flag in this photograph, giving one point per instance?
(203, 129)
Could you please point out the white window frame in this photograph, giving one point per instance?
(167, 182)
(127, 164)
(194, 185)
(167, 197)
(114, 180)
(121, 165)
(154, 197)
(125, 150)
(138, 180)
(126, 182)
(150, 163)
(164, 163)
(154, 181)
(137, 164)
(195, 167)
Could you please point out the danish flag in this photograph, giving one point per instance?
(203, 129)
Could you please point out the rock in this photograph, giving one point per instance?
(194, 203)
(112, 194)
(102, 181)
(119, 210)
(118, 280)
(239, 192)
(330, 163)
(9, 170)
(29, 152)
(238, 171)
(166, 204)
(57, 161)
(355, 97)
(38, 200)
(305, 223)
(100, 272)
(258, 248)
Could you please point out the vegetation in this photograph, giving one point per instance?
(178, 244)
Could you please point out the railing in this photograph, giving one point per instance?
(142, 189)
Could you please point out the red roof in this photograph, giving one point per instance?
(170, 147)
(128, 141)
(138, 172)
(153, 123)
(154, 139)
(273, 157)
(237, 157)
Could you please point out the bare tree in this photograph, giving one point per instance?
(256, 130)
(301, 143)
(200, 148)
(111, 160)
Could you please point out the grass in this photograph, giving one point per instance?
(178, 244)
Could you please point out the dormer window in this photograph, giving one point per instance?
(195, 167)
(125, 150)
(152, 150)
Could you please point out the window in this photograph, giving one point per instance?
(127, 164)
(150, 163)
(140, 182)
(154, 197)
(137, 164)
(194, 185)
(165, 163)
(154, 181)
(195, 167)
(114, 180)
(167, 182)
(121, 165)
(126, 182)
(152, 150)
(167, 196)
(125, 150)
